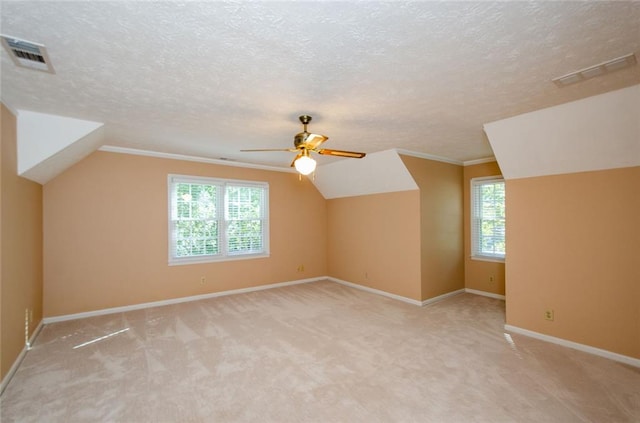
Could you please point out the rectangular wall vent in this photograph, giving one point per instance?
(596, 70)
(27, 54)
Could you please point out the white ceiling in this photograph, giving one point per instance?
(210, 78)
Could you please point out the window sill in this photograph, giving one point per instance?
(490, 259)
(215, 259)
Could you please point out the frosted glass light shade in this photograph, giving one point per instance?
(305, 165)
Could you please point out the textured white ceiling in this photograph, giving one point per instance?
(211, 78)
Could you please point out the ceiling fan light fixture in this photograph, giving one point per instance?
(305, 165)
(304, 144)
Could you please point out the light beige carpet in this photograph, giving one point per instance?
(318, 352)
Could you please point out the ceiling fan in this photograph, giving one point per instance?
(305, 143)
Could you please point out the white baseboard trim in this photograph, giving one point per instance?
(376, 291)
(7, 378)
(441, 297)
(395, 296)
(576, 346)
(140, 306)
(484, 293)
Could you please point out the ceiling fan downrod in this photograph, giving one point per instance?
(305, 119)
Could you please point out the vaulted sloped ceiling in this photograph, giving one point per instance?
(48, 144)
(362, 177)
(596, 133)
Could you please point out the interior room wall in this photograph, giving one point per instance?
(105, 221)
(573, 247)
(20, 251)
(374, 241)
(441, 226)
(480, 275)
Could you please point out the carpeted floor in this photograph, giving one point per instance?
(318, 352)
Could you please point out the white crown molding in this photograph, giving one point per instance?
(574, 345)
(172, 156)
(445, 159)
(18, 361)
(485, 294)
(427, 156)
(140, 306)
(479, 161)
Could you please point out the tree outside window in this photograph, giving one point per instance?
(215, 219)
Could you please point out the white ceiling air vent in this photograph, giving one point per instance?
(596, 70)
(27, 54)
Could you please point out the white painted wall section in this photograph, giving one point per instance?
(48, 144)
(595, 133)
(376, 173)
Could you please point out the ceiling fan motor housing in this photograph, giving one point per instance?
(300, 138)
(306, 142)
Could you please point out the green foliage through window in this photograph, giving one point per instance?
(196, 231)
(213, 218)
(243, 211)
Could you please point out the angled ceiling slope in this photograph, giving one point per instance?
(49, 144)
(377, 173)
(595, 133)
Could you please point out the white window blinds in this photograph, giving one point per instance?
(245, 218)
(488, 218)
(217, 219)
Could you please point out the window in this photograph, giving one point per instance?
(487, 218)
(217, 219)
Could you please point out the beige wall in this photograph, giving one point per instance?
(573, 245)
(21, 249)
(480, 275)
(374, 240)
(441, 230)
(105, 245)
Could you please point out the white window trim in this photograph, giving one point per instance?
(481, 257)
(224, 256)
